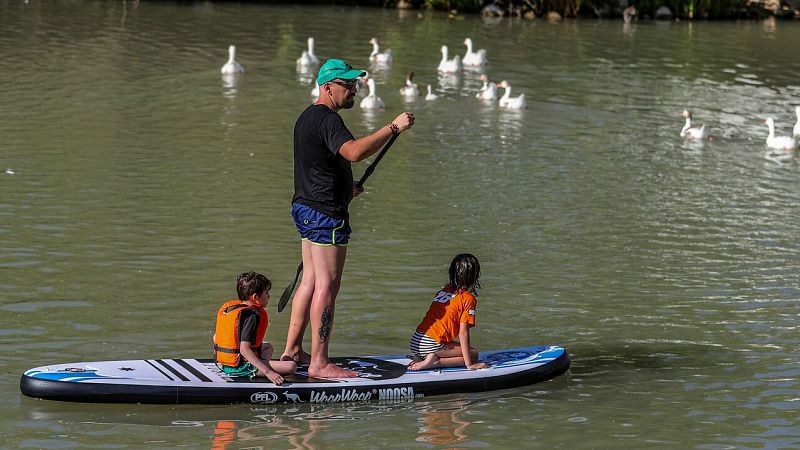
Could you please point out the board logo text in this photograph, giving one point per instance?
(404, 393)
(345, 395)
(264, 397)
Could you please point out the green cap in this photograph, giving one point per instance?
(336, 68)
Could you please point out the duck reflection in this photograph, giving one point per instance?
(510, 124)
(306, 75)
(449, 82)
(229, 83)
(370, 117)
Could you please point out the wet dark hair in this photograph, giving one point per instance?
(464, 272)
(249, 283)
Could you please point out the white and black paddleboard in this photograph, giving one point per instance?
(172, 381)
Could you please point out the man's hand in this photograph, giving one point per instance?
(404, 121)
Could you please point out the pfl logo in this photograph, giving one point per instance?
(264, 397)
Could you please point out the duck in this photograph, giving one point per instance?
(507, 102)
(629, 13)
(796, 129)
(376, 57)
(232, 66)
(431, 95)
(371, 101)
(783, 143)
(473, 59)
(308, 59)
(449, 65)
(488, 90)
(315, 92)
(687, 132)
(410, 90)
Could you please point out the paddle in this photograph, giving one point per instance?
(287, 293)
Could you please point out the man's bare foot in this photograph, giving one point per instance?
(330, 371)
(300, 357)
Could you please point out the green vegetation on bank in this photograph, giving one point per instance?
(646, 9)
(682, 9)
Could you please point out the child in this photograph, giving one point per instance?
(451, 315)
(239, 349)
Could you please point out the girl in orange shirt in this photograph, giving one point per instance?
(450, 316)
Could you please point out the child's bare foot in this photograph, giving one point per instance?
(299, 358)
(414, 360)
(431, 361)
(330, 371)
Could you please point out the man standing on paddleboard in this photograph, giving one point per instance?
(323, 188)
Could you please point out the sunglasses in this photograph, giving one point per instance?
(349, 85)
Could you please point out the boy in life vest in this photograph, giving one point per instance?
(239, 347)
(450, 316)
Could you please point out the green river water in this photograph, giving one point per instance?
(135, 183)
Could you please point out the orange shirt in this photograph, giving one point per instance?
(446, 313)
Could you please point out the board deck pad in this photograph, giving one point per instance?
(171, 381)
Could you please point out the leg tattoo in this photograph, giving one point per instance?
(325, 328)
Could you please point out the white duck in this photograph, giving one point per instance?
(308, 59)
(696, 133)
(488, 90)
(361, 81)
(783, 143)
(410, 91)
(507, 102)
(231, 67)
(473, 59)
(371, 101)
(796, 129)
(315, 92)
(449, 65)
(376, 57)
(431, 95)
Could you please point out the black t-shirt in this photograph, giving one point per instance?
(323, 179)
(248, 325)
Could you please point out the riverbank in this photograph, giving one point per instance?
(630, 10)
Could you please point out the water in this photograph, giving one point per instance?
(140, 183)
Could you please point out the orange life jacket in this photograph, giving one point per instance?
(226, 338)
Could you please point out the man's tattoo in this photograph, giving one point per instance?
(325, 328)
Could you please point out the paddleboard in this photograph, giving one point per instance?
(383, 378)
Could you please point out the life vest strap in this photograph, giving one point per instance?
(234, 351)
(234, 307)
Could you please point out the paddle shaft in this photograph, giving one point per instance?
(287, 293)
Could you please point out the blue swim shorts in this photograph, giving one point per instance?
(318, 228)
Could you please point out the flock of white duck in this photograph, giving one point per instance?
(779, 148)
(382, 60)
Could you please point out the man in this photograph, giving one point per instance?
(323, 182)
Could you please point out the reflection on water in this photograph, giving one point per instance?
(379, 70)
(449, 83)
(371, 118)
(271, 430)
(442, 424)
(229, 82)
(307, 75)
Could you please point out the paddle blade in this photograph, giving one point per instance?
(287, 293)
